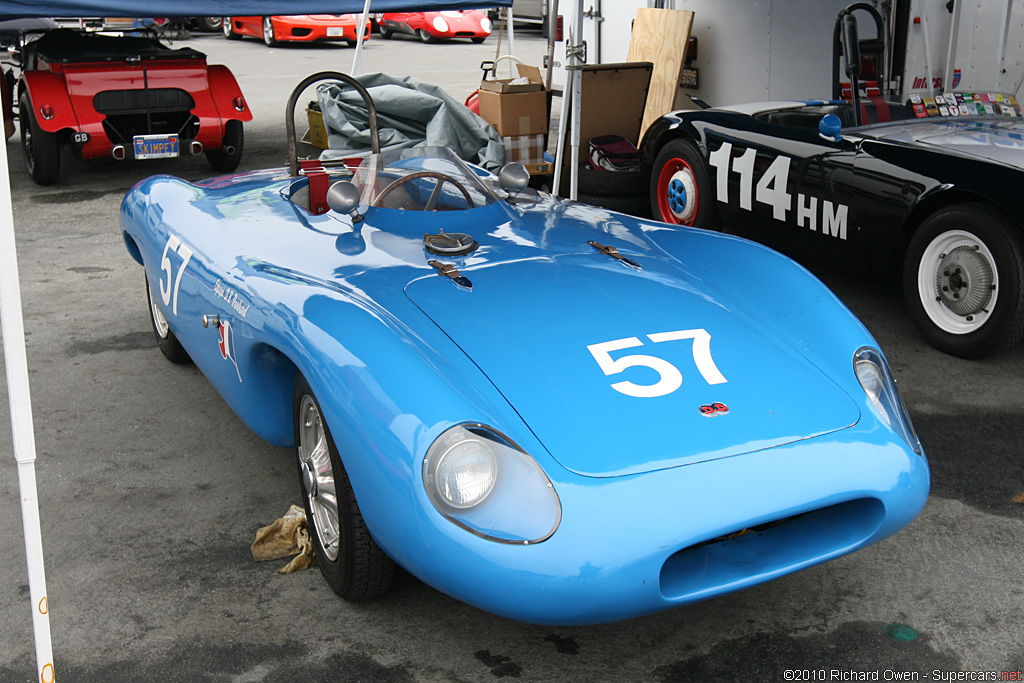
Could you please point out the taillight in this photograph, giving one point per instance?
(558, 28)
(46, 111)
(239, 103)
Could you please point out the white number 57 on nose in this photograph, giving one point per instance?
(671, 379)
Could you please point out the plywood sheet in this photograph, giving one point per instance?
(660, 37)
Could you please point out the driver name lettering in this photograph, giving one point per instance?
(772, 190)
(235, 300)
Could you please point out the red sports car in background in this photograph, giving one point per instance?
(124, 96)
(304, 28)
(432, 26)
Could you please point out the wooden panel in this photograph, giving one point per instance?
(660, 37)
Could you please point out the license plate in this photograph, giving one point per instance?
(335, 31)
(155, 146)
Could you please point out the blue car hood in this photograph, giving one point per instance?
(988, 138)
(527, 325)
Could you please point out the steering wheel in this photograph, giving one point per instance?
(442, 178)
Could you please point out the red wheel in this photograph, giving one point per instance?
(678, 182)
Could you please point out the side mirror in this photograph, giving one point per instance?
(513, 178)
(343, 197)
(830, 128)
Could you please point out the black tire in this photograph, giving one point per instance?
(963, 280)
(209, 24)
(228, 29)
(385, 33)
(679, 171)
(634, 206)
(611, 183)
(227, 158)
(350, 560)
(268, 32)
(425, 36)
(42, 151)
(165, 339)
(478, 39)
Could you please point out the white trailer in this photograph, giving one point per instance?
(756, 50)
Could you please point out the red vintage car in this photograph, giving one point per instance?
(125, 96)
(305, 28)
(434, 26)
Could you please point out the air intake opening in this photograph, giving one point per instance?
(778, 547)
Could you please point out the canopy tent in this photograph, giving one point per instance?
(12, 326)
(217, 8)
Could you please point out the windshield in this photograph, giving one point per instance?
(420, 179)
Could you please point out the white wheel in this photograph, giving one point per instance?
(958, 282)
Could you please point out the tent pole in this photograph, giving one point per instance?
(12, 327)
(575, 64)
(357, 58)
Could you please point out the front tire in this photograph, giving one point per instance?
(350, 560)
(165, 339)
(209, 24)
(268, 32)
(227, 158)
(425, 36)
(681, 186)
(42, 151)
(963, 280)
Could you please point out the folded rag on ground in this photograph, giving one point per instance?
(285, 537)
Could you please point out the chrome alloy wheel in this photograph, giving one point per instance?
(958, 282)
(318, 477)
(159, 321)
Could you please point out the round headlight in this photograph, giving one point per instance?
(440, 24)
(480, 480)
(465, 473)
(879, 386)
(485, 25)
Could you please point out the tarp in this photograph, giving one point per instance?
(222, 8)
(409, 113)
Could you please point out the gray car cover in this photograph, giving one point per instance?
(410, 113)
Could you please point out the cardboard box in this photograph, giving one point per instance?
(515, 113)
(515, 110)
(504, 85)
(528, 150)
(317, 129)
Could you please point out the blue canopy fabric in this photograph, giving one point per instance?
(217, 8)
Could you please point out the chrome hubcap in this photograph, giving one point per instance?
(317, 477)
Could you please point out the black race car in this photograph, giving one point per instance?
(929, 190)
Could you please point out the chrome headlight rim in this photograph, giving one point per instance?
(458, 515)
(887, 401)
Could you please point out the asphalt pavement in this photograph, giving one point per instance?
(151, 490)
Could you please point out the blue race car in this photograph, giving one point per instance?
(550, 411)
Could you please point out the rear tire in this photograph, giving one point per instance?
(42, 151)
(350, 560)
(227, 158)
(681, 190)
(963, 280)
(228, 29)
(209, 24)
(165, 339)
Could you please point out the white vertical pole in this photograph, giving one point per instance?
(577, 95)
(12, 326)
(357, 58)
(927, 57)
(954, 35)
(1001, 47)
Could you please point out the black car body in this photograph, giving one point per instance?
(935, 200)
